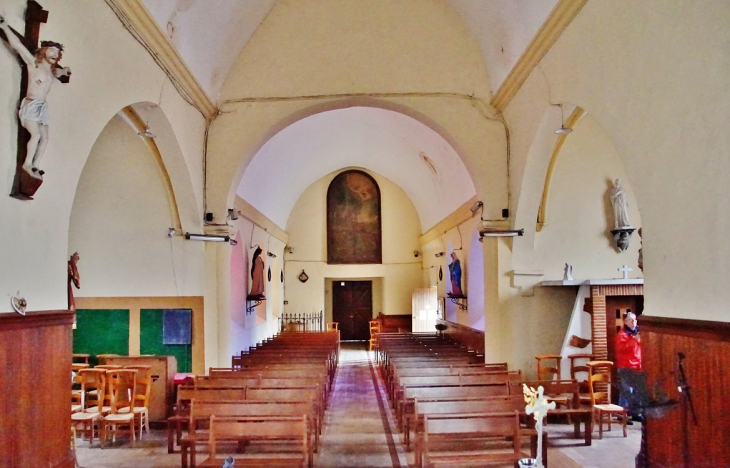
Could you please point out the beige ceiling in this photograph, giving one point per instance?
(210, 34)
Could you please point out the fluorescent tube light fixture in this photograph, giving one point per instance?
(494, 232)
(206, 237)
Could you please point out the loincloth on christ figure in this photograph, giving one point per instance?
(34, 110)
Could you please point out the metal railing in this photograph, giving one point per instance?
(313, 321)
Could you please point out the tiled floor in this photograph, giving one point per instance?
(359, 432)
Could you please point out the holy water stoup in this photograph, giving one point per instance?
(538, 406)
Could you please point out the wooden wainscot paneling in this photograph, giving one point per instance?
(395, 323)
(679, 439)
(35, 382)
(471, 338)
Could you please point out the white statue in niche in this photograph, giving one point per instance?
(620, 206)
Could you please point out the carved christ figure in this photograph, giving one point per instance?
(43, 69)
(620, 206)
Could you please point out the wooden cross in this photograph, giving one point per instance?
(24, 185)
(625, 269)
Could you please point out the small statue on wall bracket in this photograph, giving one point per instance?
(257, 276)
(41, 69)
(622, 228)
(455, 275)
(73, 280)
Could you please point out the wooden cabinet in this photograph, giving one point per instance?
(35, 411)
(162, 371)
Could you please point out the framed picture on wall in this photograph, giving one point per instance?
(177, 326)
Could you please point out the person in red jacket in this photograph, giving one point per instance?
(628, 353)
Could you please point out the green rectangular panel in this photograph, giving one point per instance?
(150, 340)
(101, 331)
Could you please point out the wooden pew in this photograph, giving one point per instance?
(292, 429)
(445, 439)
(187, 393)
(405, 408)
(406, 370)
(472, 378)
(243, 381)
(202, 411)
(507, 404)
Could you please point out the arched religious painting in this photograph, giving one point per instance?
(353, 219)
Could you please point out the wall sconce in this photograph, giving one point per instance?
(271, 254)
(439, 254)
(494, 232)
(19, 304)
(563, 130)
(232, 214)
(416, 253)
(234, 242)
(206, 237)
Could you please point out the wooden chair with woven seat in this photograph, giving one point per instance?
(78, 358)
(101, 358)
(90, 379)
(141, 398)
(77, 399)
(375, 327)
(579, 373)
(599, 383)
(545, 371)
(92, 394)
(122, 385)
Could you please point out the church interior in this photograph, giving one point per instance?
(521, 173)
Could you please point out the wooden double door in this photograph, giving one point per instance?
(352, 308)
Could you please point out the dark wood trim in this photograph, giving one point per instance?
(35, 351)
(703, 329)
(45, 318)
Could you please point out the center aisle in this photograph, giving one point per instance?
(359, 431)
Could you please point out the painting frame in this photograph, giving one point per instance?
(354, 219)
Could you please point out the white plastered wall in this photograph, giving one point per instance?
(307, 229)
(110, 71)
(579, 216)
(119, 224)
(654, 76)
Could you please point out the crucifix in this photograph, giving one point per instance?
(40, 70)
(625, 269)
(537, 406)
